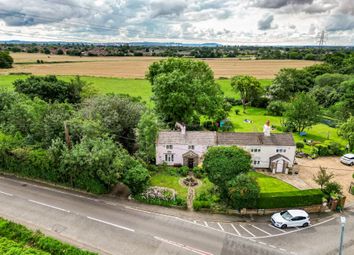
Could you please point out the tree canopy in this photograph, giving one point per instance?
(222, 164)
(302, 112)
(346, 130)
(184, 90)
(6, 60)
(249, 88)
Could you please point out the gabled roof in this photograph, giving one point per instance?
(278, 156)
(235, 138)
(190, 137)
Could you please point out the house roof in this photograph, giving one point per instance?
(234, 138)
(191, 137)
(226, 138)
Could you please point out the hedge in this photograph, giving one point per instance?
(179, 202)
(8, 247)
(36, 240)
(290, 199)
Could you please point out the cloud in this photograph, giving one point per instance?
(275, 4)
(166, 8)
(340, 22)
(266, 22)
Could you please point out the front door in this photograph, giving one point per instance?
(280, 166)
(190, 162)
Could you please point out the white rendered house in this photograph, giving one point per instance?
(269, 151)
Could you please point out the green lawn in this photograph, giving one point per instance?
(270, 184)
(169, 181)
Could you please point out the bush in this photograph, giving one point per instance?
(167, 203)
(237, 111)
(329, 149)
(183, 171)
(276, 108)
(197, 205)
(290, 199)
(300, 145)
(243, 192)
(261, 102)
(137, 179)
(37, 240)
(352, 190)
(233, 101)
(332, 188)
(6, 60)
(199, 172)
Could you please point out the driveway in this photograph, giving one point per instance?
(342, 173)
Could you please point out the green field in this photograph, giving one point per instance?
(269, 184)
(141, 88)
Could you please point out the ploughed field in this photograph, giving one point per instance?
(136, 67)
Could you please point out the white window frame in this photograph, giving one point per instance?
(255, 149)
(169, 157)
(169, 146)
(191, 147)
(280, 150)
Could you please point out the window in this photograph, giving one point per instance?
(256, 161)
(280, 150)
(190, 147)
(169, 147)
(255, 150)
(169, 157)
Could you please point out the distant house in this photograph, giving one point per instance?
(268, 150)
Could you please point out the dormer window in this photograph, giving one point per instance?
(190, 147)
(169, 146)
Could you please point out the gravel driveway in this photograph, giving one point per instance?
(342, 173)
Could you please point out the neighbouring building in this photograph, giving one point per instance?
(272, 151)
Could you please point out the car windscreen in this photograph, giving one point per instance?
(348, 158)
(286, 215)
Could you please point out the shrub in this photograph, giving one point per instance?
(332, 188)
(37, 240)
(276, 108)
(183, 171)
(199, 172)
(137, 179)
(352, 190)
(243, 192)
(237, 111)
(261, 102)
(300, 145)
(290, 199)
(6, 60)
(197, 205)
(233, 101)
(224, 163)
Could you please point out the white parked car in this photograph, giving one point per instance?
(291, 218)
(348, 159)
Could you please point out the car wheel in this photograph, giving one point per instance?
(283, 226)
(306, 224)
(352, 164)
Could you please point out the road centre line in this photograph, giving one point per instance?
(188, 248)
(50, 206)
(232, 225)
(206, 224)
(6, 194)
(111, 224)
(261, 230)
(249, 232)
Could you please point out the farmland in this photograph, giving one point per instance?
(136, 67)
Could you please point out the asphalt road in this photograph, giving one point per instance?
(117, 228)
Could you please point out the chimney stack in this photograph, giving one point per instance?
(266, 128)
(182, 127)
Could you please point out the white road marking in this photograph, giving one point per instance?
(206, 224)
(272, 246)
(282, 249)
(222, 229)
(188, 248)
(279, 229)
(262, 243)
(297, 230)
(249, 232)
(111, 224)
(232, 225)
(261, 230)
(50, 206)
(6, 194)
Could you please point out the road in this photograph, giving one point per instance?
(119, 228)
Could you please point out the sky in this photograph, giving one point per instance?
(235, 22)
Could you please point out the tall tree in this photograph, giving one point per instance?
(146, 136)
(249, 88)
(6, 60)
(184, 90)
(346, 131)
(302, 112)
